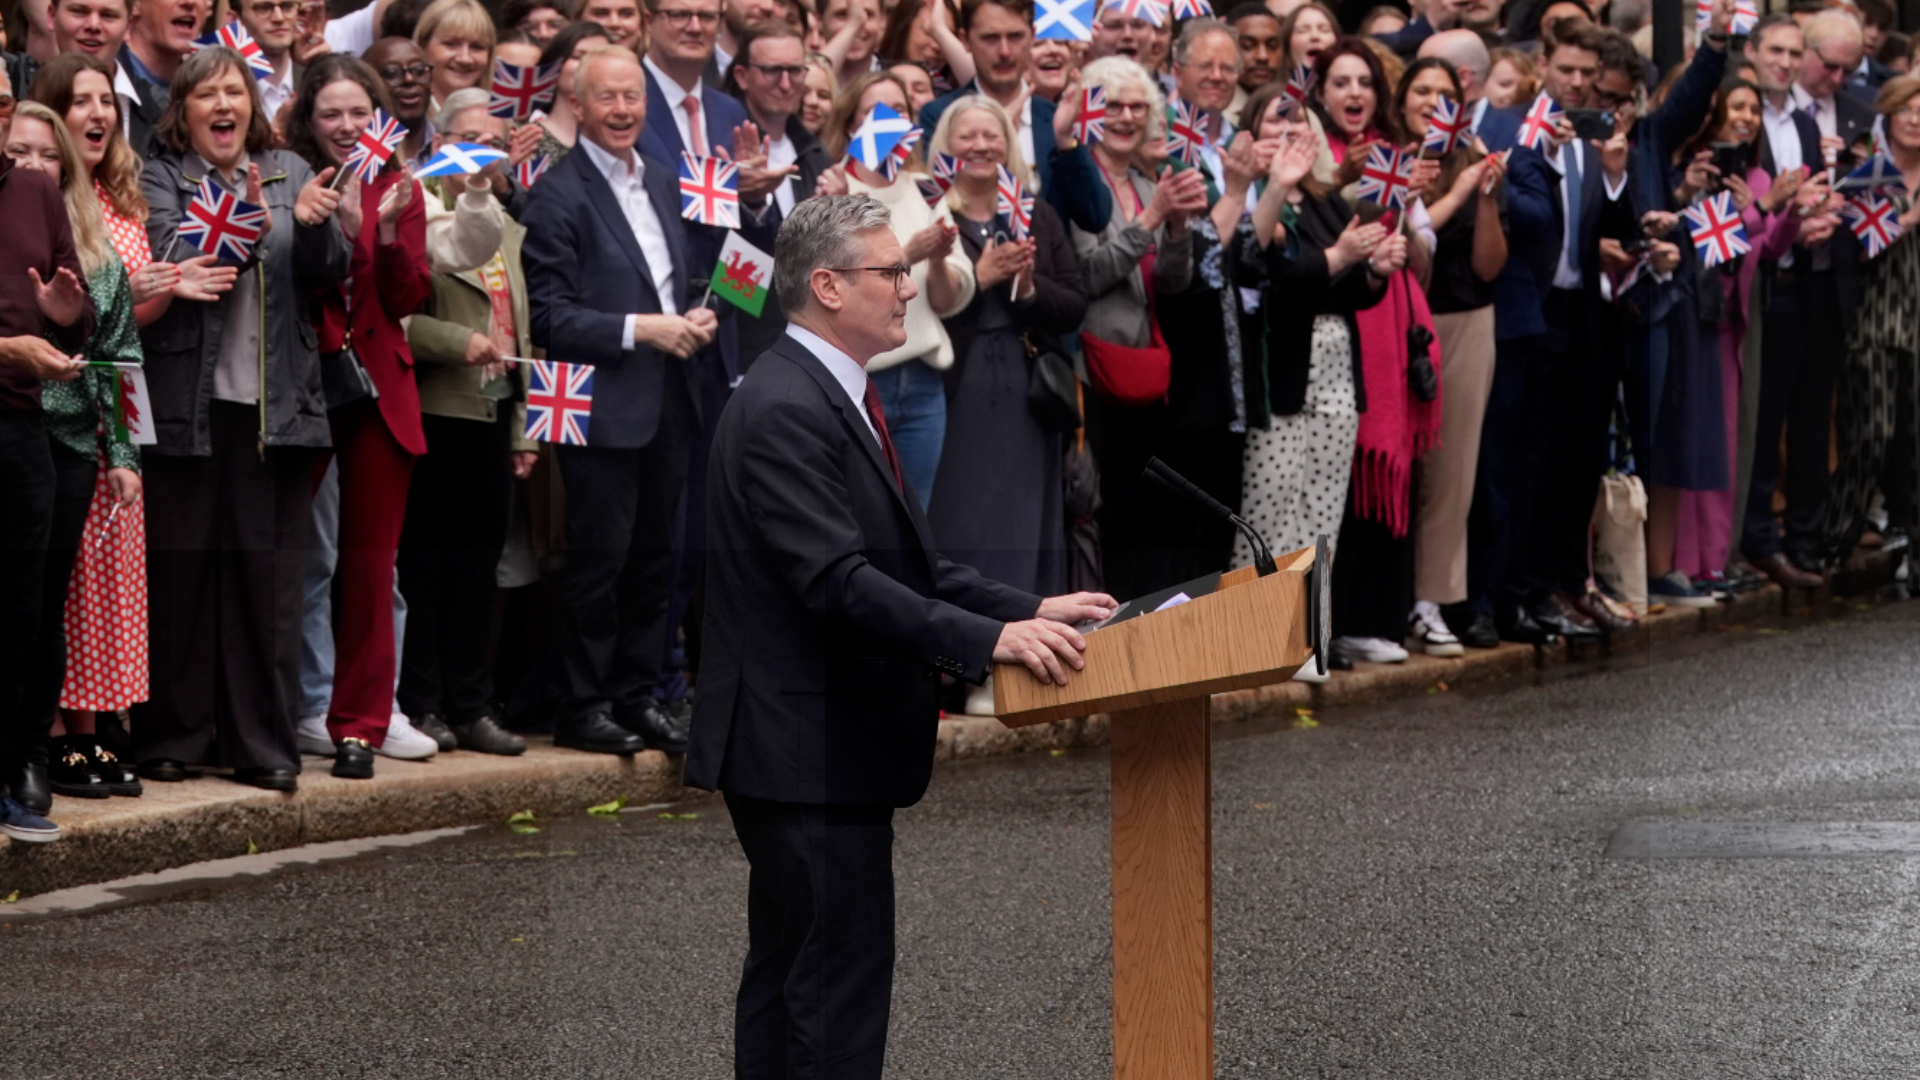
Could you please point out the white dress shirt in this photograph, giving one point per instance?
(845, 370)
(1565, 276)
(627, 179)
(275, 93)
(676, 104)
(1783, 136)
(781, 153)
(129, 95)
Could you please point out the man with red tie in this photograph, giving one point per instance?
(830, 617)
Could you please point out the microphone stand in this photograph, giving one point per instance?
(1164, 473)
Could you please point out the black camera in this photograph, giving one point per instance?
(1422, 380)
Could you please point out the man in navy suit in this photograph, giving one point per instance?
(606, 259)
(830, 618)
(999, 35)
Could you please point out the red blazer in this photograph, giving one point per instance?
(389, 283)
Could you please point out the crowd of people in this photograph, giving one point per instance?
(335, 537)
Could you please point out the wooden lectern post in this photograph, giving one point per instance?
(1155, 674)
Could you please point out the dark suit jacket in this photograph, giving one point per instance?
(1067, 179)
(1864, 87)
(585, 274)
(757, 335)
(1499, 129)
(143, 120)
(1303, 290)
(1851, 121)
(829, 614)
(1534, 220)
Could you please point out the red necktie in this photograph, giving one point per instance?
(692, 105)
(879, 418)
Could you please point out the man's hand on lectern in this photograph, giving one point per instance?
(1047, 648)
(1076, 608)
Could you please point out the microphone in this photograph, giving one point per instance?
(1164, 473)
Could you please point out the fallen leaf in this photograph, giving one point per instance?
(1305, 723)
(608, 809)
(11, 898)
(679, 817)
(517, 940)
(524, 817)
(1057, 753)
(252, 848)
(1302, 710)
(524, 829)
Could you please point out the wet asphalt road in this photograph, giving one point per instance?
(1414, 891)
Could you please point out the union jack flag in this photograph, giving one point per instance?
(1191, 9)
(376, 146)
(531, 170)
(559, 402)
(1186, 132)
(1745, 17)
(1299, 85)
(234, 36)
(218, 223)
(1091, 127)
(891, 165)
(1016, 205)
(709, 191)
(519, 91)
(1387, 177)
(1153, 12)
(1716, 229)
(935, 187)
(1875, 220)
(1448, 127)
(1541, 119)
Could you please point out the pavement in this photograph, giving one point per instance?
(175, 825)
(1416, 889)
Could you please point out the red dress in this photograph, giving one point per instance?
(106, 617)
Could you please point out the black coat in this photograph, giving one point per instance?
(1057, 305)
(829, 615)
(1302, 291)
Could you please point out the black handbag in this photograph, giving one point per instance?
(1422, 381)
(344, 379)
(1053, 391)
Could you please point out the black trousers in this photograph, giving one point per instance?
(226, 557)
(620, 516)
(1582, 376)
(1501, 520)
(817, 986)
(1372, 578)
(26, 521)
(1802, 343)
(74, 477)
(449, 555)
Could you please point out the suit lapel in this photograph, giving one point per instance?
(600, 194)
(665, 130)
(663, 187)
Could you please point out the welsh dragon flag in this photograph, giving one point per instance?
(133, 409)
(743, 275)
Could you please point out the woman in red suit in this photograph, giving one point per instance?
(372, 399)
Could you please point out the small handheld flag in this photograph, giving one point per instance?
(1718, 234)
(878, 135)
(376, 146)
(902, 153)
(1186, 132)
(1152, 12)
(559, 402)
(1745, 17)
(1387, 177)
(1543, 116)
(219, 224)
(530, 170)
(1016, 205)
(1063, 20)
(1299, 85)
(459, 159)
(234, 36)
(709, 191)
(935, 187)
(519, 91)
(1191, 9)
(1447, 127)
(742, 275)
(1091, 126)
(1874, 219)
(1878, 173)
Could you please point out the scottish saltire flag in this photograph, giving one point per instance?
(1191, 9)
(709, 191)
(1299, 85)
(1387, 177)
(459, 159)
(934, 188)
(218, 223)
(518, 91)
(1536, 129)
(377, 144)
(530, 170)
(1874, 219)
(559, 402)
(1447, 128)
(1877, 174)
(1016, 205)
(902, 153)
(1186, 132)
(1091, 126)
(1063, 20)
(234, 36)
(874, 142)
(1718, 234)
(1152, 12)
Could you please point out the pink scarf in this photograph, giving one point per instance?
(1396, 428)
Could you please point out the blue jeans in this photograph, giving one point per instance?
(915, 401)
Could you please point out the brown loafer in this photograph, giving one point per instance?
(1593, 606)
(1781, 569)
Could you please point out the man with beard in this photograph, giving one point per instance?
(1261, 52)
(999, 36)
(403, 67)
(736, 18)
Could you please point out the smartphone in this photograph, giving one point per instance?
(1732, 159)
(1591, 123)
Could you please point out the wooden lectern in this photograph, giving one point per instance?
(1155, 673)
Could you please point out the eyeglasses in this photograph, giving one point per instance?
(679, 20)
(493, 141)
(779, 72)
(893, 274)
(394, 73)
(1129, 108)
(276, 7)
(1828, 64)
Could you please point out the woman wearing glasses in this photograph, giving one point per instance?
(908, 378)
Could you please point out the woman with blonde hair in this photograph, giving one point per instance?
(80, 424)
(458, 37)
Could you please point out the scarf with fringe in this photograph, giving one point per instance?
(1396, 428)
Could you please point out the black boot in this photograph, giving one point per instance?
(71, 772)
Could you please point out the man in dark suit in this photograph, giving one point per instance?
(606, 261)
(830, 617)
(999, 35)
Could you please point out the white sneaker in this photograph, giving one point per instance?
(1430, 635)
(1372, 649)
(405, 742)
(1310, 672)
(980, 699)
(313, 736)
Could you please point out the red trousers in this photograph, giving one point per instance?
(374, 472)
